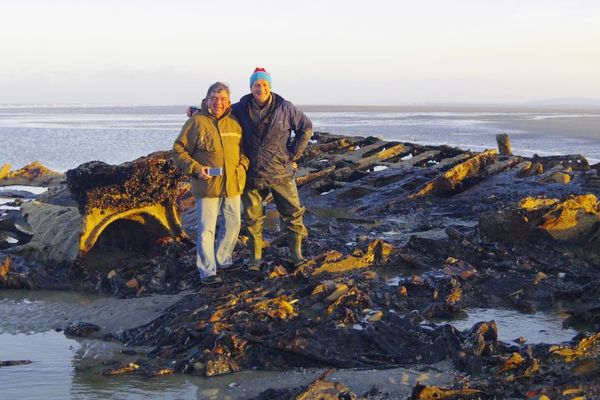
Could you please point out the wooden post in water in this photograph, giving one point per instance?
(503, 144)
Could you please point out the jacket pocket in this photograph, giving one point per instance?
(199, 187)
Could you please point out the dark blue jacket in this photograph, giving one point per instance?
(271, 156)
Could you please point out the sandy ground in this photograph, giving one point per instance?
(40, 311)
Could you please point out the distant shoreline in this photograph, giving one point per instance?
(451, 107)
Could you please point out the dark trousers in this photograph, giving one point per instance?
(287, 201)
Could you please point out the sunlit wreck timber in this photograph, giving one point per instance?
(118, 210)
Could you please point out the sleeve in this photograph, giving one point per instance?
(302, 126)
(183, 148)
(244, 160)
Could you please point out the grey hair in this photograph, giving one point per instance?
(218, 87)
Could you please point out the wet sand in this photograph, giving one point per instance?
(41, 311)
(587, 127)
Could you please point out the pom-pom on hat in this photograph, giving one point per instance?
(260, 73)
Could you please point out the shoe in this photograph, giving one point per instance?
(253, 266)
(211, 280)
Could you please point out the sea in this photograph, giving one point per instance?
(63, 137)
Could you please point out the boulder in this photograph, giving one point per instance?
(576, 219)
(33, 174)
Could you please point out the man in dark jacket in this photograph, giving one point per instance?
(267, 122)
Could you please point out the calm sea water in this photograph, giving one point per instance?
(64, 137)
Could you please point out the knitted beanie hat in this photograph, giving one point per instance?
(260, 73)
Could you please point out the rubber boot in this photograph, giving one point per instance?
(256, 247)
(295, 244)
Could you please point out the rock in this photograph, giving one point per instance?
(529, 168)
(7, 239)
(560, 177)
(557, 174)
(56, 232)
(505, 226)
(326, 390)
(4, 170)
(423, 392)
(378, 251)
(574, 219)
(132, 284)
(10, 363)
(81, 329)
(219, 364)
(33, 174)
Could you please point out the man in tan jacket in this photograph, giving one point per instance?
(208, 149)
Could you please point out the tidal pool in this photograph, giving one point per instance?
(539, 327)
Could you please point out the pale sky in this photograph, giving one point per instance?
(376, 52)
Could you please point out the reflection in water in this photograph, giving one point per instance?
(65, 368)
(540, 327)
(48, 376)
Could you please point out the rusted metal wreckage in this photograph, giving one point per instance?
(453, 228)
(97, 211)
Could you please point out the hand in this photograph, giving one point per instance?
(191, 110)
(203, 173)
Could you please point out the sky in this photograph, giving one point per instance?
(344, 52)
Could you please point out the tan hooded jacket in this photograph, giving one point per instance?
(205, 141)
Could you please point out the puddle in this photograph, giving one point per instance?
(540, 327)
(60, 369)
(31, 189)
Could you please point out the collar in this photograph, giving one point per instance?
(255, 104)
